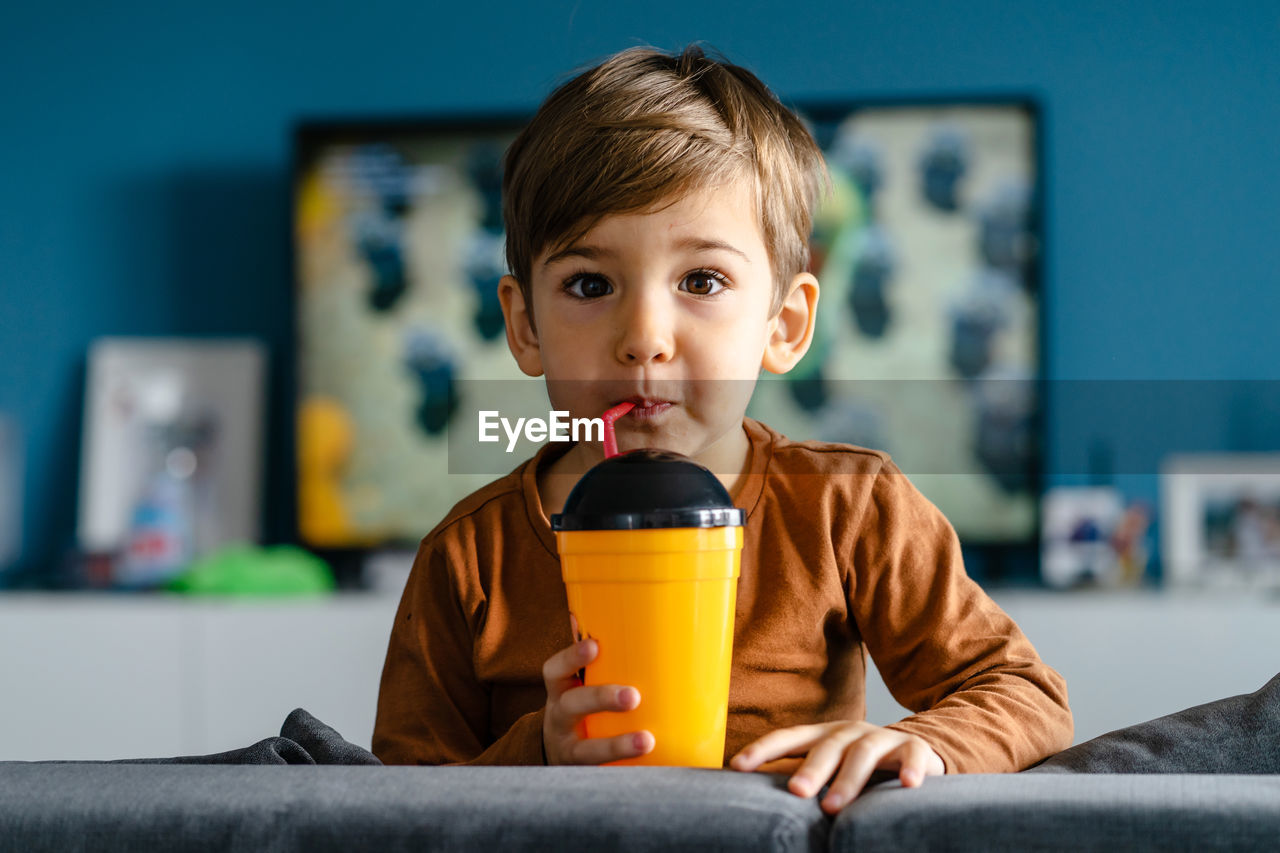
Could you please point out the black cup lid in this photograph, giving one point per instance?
(646, 489)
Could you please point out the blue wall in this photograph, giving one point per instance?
(144, 157)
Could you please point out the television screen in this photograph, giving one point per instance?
(926, 248)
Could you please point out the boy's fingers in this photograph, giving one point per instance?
(819, 766)
(915, 763)
(601, 750)
(580, 701)
(861, 758)
(775, 745)
(781, 766)
(560, 671)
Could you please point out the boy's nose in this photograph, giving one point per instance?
(645, 335)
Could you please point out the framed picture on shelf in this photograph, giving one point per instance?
(172, 451)
(1221, 519)
(10, 494)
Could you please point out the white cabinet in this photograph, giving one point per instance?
(1130, 656)
(121, 676)
(128, 676)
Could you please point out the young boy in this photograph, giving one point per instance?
(658, 210)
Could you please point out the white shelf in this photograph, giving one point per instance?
(120, 676)
(102, 676)
(1130, 656)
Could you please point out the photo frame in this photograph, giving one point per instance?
(146, 399)
(10, 495)
(1091, 537)
(1220, 520)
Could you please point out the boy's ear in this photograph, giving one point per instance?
(791, 329)
(521, 338)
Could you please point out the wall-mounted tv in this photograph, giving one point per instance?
(927, 249)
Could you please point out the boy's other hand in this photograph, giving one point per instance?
(569, 702)
(848, 751)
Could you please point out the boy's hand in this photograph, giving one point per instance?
(849, 751)
(569, 702)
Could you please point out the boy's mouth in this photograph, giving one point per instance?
(646, 408)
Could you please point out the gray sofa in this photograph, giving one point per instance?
(321, 808)
(1207, 778)
(417, 808)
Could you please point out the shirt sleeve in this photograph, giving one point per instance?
(431, 707)
(984, 700)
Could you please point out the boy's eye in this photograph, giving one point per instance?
(703, 283)
(588, 286)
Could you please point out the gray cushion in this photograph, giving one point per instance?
(1019, 811)
(1240, 734)
(317, 808)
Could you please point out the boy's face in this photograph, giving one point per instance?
(669, 309)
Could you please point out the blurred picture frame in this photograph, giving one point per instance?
(11, 471)
(191, 406)
(1076, 535)
(1220, 520)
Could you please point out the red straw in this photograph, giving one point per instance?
(610, 441)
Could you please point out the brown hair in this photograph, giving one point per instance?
(644, 126)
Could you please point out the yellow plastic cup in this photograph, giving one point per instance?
(659, 601)
(660, 605)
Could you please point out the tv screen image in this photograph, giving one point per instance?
(928, 342)
(927, 250)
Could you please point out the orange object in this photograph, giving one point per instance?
(660, 605)
(326, 440)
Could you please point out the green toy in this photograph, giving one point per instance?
(245, 570)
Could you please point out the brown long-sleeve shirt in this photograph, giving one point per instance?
(841, 553)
